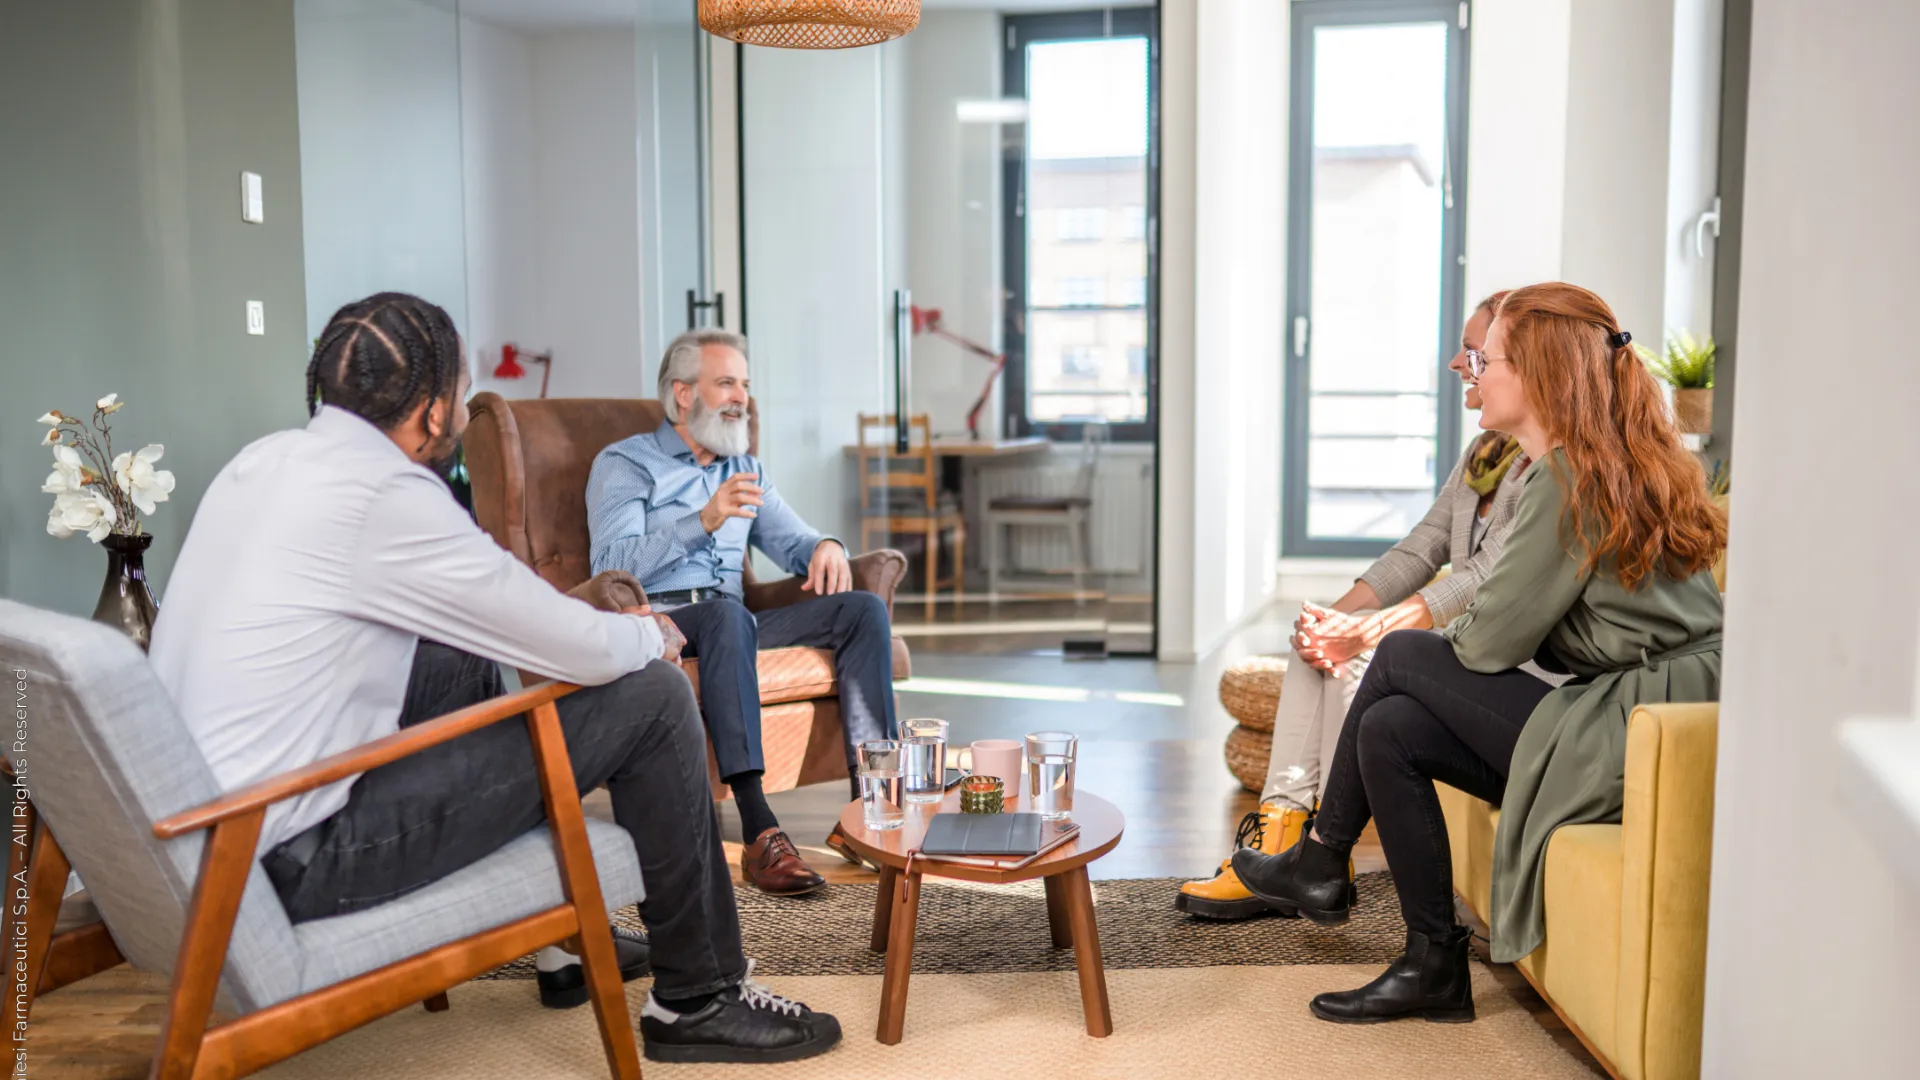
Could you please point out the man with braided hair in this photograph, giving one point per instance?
(330, 592)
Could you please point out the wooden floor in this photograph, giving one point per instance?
(1151, 737)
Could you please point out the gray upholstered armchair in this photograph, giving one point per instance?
(169, 862)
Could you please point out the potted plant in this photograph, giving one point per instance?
(102, 495)
(1687, 366)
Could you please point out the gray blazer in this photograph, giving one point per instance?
(1445, 536)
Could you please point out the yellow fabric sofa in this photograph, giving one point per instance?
(1624, 963)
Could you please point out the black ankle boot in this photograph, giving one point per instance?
(1306, 879)
(1431, 979)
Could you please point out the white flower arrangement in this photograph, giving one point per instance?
(94, 491)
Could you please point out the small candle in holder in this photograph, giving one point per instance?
(982, 795)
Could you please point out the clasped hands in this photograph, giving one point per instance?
(619, 591)
(1329, 639)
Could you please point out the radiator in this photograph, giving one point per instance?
(1122, 512)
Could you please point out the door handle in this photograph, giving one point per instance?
(695, 305)
(1300, 326)
(902, 368)
(1707, 218)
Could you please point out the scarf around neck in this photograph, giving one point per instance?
(1488, 464)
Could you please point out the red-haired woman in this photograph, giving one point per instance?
(1606, 575)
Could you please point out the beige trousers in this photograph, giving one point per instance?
(1306, 728)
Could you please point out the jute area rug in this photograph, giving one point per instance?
(1187, 1022)
(988, 993)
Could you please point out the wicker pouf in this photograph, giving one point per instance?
(1250, 690)
(1247, 754)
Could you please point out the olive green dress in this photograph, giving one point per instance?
(1660, 642)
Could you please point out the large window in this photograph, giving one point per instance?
(1079, 258)
(1375, 269)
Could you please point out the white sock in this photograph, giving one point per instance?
(553, 958)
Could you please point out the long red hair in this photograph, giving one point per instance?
(1636, 498)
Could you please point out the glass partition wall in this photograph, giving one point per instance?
(949, 252)
(537, 167)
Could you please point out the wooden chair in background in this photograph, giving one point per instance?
(900, 493)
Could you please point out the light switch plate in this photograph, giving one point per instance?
(256, 317)
(252, 206)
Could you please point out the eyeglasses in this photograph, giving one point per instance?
(1477, 362)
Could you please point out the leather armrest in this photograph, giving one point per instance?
(877, 572)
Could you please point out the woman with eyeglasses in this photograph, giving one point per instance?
(1331, 645)
(1606, 575)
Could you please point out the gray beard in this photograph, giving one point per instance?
(720, 435)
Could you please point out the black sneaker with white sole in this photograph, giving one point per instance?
(565, 987)
(747, 1023)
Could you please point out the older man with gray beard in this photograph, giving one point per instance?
(677, 508)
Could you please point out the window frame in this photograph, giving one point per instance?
(1019, 31)
(1308, 15)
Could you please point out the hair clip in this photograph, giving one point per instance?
(1619, 340)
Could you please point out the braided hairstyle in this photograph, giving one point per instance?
(379, 358)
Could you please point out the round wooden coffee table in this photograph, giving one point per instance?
(1064, 869)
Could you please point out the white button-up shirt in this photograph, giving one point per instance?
(316, 562)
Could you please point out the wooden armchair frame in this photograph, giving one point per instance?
(191, 1050)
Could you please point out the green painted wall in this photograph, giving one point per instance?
(124, 264)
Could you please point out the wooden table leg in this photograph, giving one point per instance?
(893, 989)
(1058, 919)
(883, 907)
(1086, 953)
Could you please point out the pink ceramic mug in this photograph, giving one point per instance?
(1003, 758)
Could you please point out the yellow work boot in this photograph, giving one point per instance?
(1270, 830)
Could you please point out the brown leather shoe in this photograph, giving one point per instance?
(772, 864)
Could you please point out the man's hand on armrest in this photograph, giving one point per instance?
(828, 572)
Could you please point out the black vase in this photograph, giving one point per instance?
(126, 604)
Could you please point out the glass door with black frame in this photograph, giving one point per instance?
(1070, 550)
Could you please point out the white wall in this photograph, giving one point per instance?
(1814, 940)
(588, 194)
(1613, 239)
(820, 315)
(1516, 142)
(502, 198)
(1223, 231)
(491, 170)
(953, 228)
(1593, 143)
(380, 157)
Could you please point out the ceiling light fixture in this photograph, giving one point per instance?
(809, 24)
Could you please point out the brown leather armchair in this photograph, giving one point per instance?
(528, 461)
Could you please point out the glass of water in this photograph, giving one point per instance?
(1050, 756)
(880, 799)
(924, 748)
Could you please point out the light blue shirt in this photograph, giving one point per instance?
(644, 498)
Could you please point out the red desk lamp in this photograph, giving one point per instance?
(510, 356)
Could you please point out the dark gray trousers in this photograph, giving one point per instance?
(418, 819)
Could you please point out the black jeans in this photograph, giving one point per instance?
(726, 638)
(418, 819)
(1421, 716)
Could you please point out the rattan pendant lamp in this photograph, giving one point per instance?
(809, 24)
